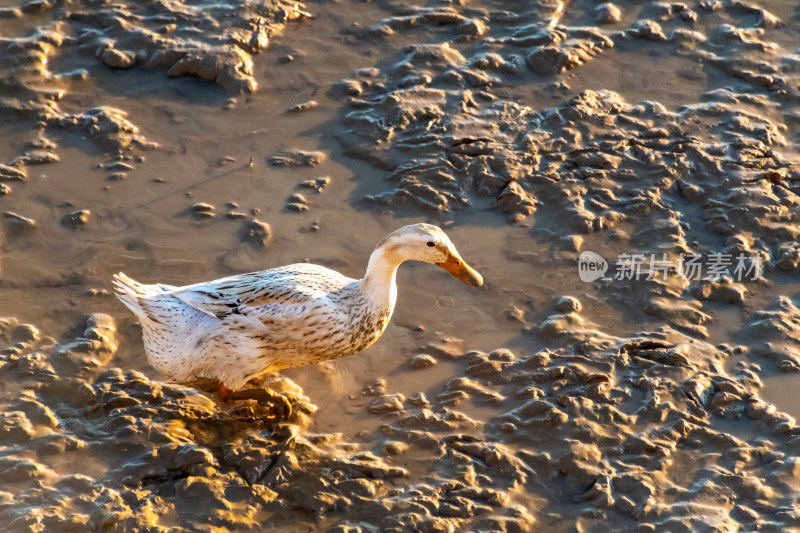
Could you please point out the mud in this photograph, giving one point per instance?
(180, 142)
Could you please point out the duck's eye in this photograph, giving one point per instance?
(431, 243)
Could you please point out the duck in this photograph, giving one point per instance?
(237, 329)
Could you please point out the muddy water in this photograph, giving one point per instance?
(145, 138)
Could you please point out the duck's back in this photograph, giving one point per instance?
(290, 285)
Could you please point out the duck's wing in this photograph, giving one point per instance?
(290, 286)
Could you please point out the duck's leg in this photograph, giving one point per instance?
(265, 397)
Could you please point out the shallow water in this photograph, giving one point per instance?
(530, 133)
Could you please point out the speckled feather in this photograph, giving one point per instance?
(240, 327)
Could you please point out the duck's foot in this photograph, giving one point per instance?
(265, 397)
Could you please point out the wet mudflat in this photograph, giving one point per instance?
(184, 141)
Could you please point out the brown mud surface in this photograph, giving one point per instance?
(181, 141)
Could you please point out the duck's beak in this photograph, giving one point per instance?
(457, 267)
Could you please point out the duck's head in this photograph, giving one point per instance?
(428, 243)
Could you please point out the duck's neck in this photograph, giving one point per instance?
(378, 285)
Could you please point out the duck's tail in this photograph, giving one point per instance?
(131, 292)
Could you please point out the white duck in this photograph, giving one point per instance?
(238, 328)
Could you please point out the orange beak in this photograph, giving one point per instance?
(457, 267)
